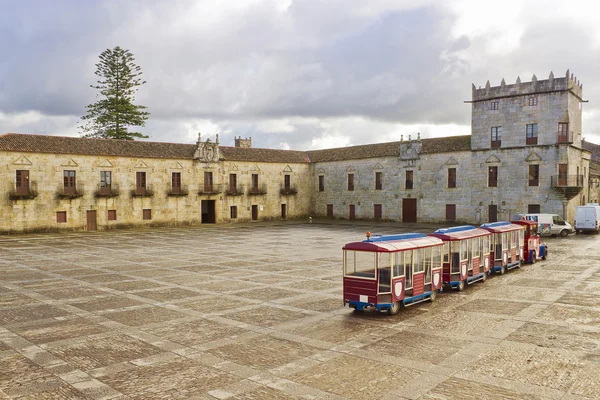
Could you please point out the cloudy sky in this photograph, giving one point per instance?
(291, 74)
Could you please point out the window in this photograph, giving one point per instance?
(140, 182)
(112, 215)
(330, 210)
(493, 213)
(233, 212)
(146, 213)
(208, 182)
(350, 181)
(233, 184)
(22, 182)
(176, 182)
(283, 211)
(534, 175)
(533, 209)
(450, 212)
(451, 177)
(61, 217)
(378, 180)
(492, 176)
(69, 182)
(563, 132)
(494, 105)
(254, 182)
(287, 182)
(533, 101)
(531, 134)
(377, 213)
(321, 183)
(409, 180)
(496, 136)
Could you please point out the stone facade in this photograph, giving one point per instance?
(537, 163)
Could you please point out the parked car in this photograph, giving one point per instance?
(587, 218)
(549, 224)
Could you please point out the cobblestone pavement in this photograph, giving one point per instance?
(254, 312)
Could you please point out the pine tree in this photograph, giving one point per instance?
(109, 117)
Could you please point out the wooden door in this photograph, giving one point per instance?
(377, 213)
(283, 211)
(330, 210)
(562, 174)
(493, 213)
(91, 220)
(254, 212)
(22, 182)
(352, 212)
(409, 210)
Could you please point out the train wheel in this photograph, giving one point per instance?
(461, 286)
(545, 253)
(433, 295)
(394, 308)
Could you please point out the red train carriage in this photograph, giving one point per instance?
(466, 255)
(533, 248)
(385, 272)
(507, 245)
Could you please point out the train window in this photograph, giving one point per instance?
(521, 236)
(476, 247)
(455, 257)
(446, 251)
(485, 245)
(418, 260)
(398, 264)
(437, 257)
(428, 260)
(361, 264)
(385, 276)
(504, 240)
(464, 249)
(408, 268)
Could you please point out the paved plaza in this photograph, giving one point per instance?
(254, 311)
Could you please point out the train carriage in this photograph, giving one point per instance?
(533, 248)
(507, 245)
(385, 272)
(466, 255)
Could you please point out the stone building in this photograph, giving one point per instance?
(525, 153)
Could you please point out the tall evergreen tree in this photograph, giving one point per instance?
(109, 117)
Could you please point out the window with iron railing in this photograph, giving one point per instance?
(492, 176)
(408, 183)
(378, 180)
(563, 133)
(534, 175)
(531, 134)
(496, 136)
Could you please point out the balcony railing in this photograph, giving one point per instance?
(531, 141)
(104, 190)
(257, 190)
(70, 192)
(181, 190)
(289, 190)
(237, 190)
(208, 190)
(564, 137)
(24, 192)
(496, 144)
(563, 181)
(140, 191)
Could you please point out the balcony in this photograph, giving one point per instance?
(69, 192)
(24, 192)
(257, 190)
(141, 191)
(288, 190)
(568, 185)
(530, 141)
(210, 189)
(564, 137)
(237, 190)
(107, 191)
(177, 191)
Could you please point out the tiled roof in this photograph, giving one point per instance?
(594, 149)
(262, 155)
(97, 147)
(390, 149)
(130, 148)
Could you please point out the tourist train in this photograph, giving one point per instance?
(387, 272)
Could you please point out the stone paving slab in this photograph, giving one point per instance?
(256, 313)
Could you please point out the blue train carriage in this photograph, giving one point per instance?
(387, 272)
(507, 245)
(466, 255)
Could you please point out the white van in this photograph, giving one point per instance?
(549, 224)
(587, 218)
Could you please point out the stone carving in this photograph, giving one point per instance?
(207, 151)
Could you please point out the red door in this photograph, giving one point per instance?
(562, 174)
(409, 210)
(352, 211)
(91, 220)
